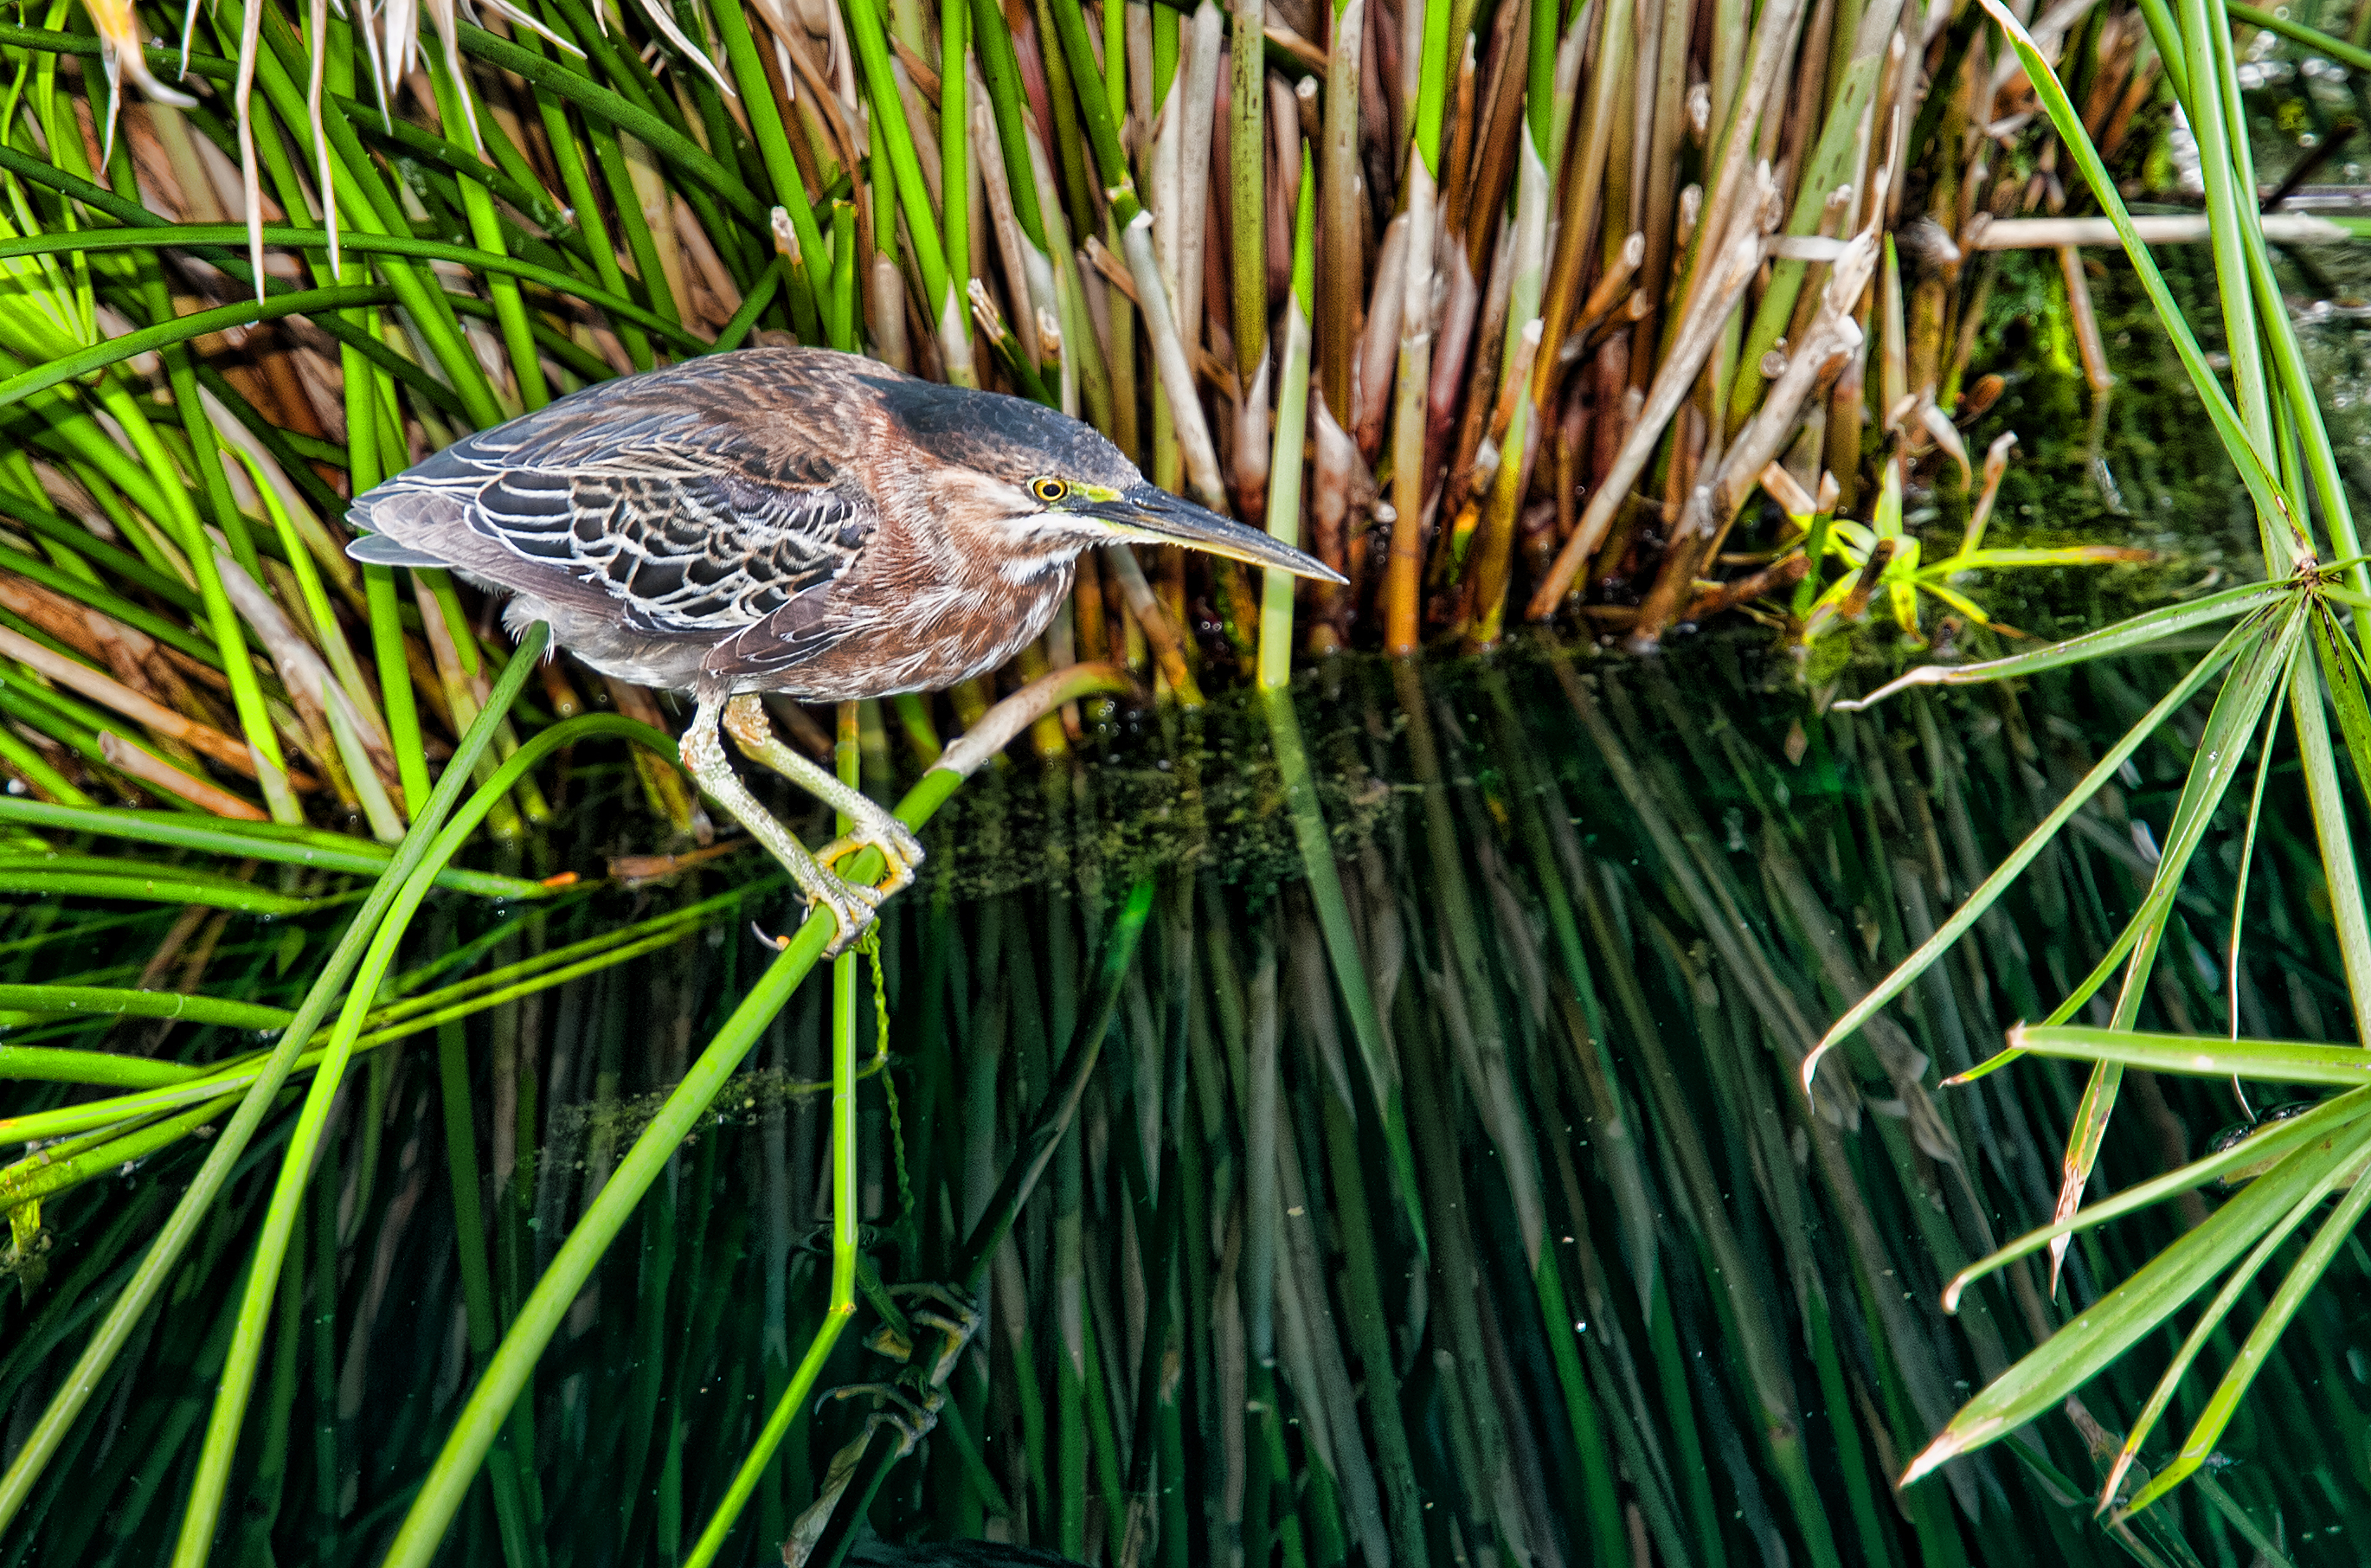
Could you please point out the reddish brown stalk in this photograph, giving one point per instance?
(1303, 52)
(1848, 412)
(85, 630)
(1340, 214)
(134, 763)
(1329, 510)
(1511, 391)
(1712, 508)
(227, 750)
(1778, 576)
(1458, 192)
(1380, 124)
(1659, 146)
(1283, 182)
(2137, 92)
(1493, 168)
(1482, 386)
(1618, 405)
(2119, 40)
(1168, 644)
(1807, 303)
(1734, 267)
(1806, 101)
(1451, 342)
(637, 871)
(1379, 345)
(1572, 429)
(1306, 113)
(1610, 290)
(1251, 453)
(2086, 322)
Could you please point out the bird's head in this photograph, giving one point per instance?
(1048, 487)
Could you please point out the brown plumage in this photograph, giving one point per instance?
(785, 520)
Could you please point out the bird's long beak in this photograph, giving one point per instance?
(1155, 517)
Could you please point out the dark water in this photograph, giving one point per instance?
(1602, 908)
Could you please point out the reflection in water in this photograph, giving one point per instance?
(1627, 1293)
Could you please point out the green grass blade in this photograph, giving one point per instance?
(164, 1255)
(2315, 1262)
(203, 1510)
(2191, 1056)
(2120, 1318)
(181, 329)
(107, 1001)
(327, 851)
(2332, 1115)
(2126, 637)
(1972, 909)
(512, 1368)
(2271, 502)
(2341, 668)
(2262, 670)
(42, 1064)
(2209, 1321)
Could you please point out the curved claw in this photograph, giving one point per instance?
(853, 908)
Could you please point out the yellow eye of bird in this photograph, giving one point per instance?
(1048, 490)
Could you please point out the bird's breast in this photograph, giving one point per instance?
(926, 632)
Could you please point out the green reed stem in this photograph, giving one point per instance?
(1291, 426)
(109, 1002)
(663, 137)
(954, 321)
(271, 1248)
(486, 233)
(892, 135)
(476, 1279)
(115, 1330)
(774, 146)
(1000, 72)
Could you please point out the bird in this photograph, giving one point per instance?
(786, 520)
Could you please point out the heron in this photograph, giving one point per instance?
(787, 520)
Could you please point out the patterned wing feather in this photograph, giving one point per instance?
(659, 524)
(681, 542)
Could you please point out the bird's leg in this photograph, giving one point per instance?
(745, 721)
(702, 749)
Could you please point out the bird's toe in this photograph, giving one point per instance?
(855, 908)
(893, 839)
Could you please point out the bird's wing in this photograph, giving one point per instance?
(679, 542)
(670, 538)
